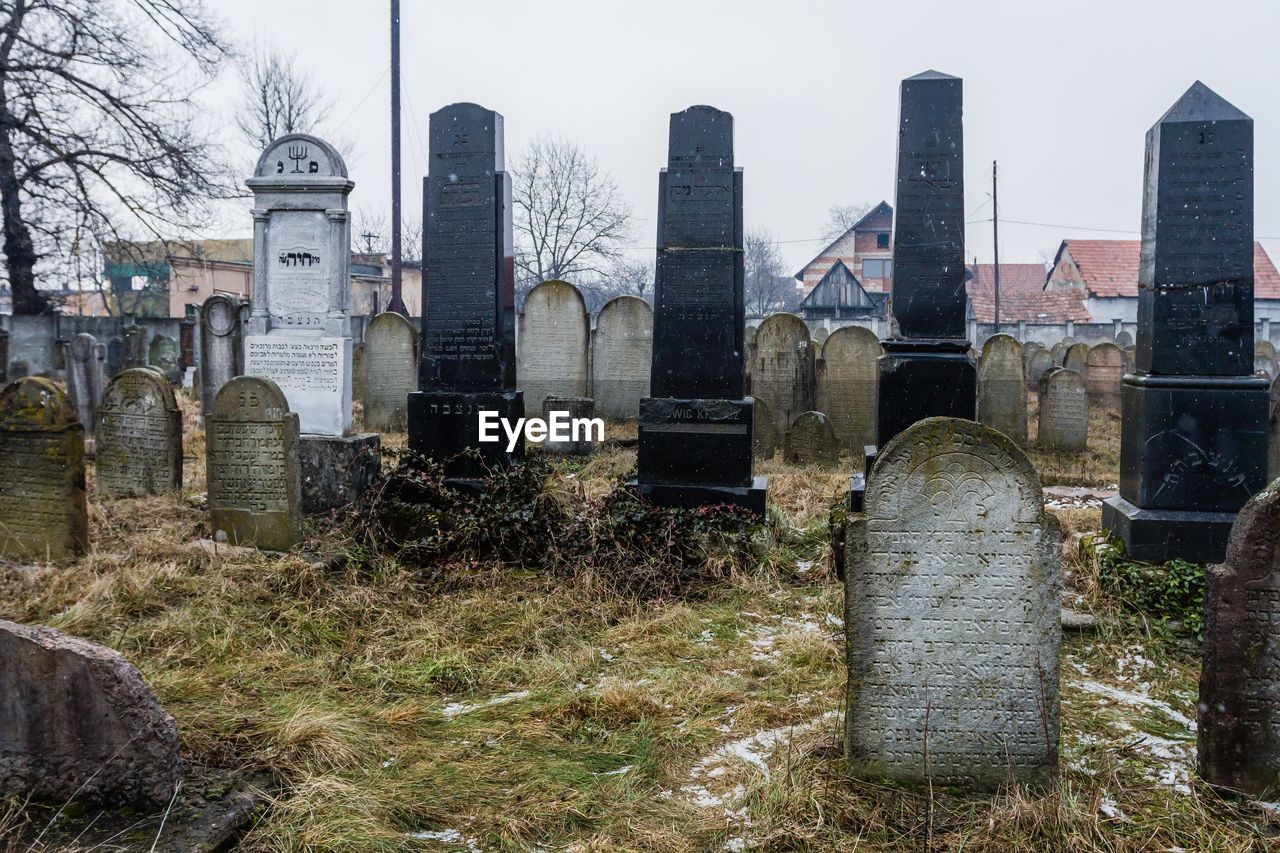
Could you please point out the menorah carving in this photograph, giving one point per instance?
(297, 153)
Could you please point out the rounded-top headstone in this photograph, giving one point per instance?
(847, 386)
(300, 155)
(1124, 339)
(820, 335)
(1040, 363)
(621, 351)
(1064, 413)
(812, 441)
(551, 349)
(1104, 373)
(1002, 387)
(139, 437)
(390, 371)
(35, 403)
(1077, 358)
(82, 346)
(782, 372)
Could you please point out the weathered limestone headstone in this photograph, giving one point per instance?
(299, 334)
(1040, 363)
(221, 347)
(135, 347)
(926, 369)
(1002, 388)
(80, 723)
(1104, 374)
(621, 350)
(555, 331)
(783, 371)
(42, 501)
(1264, 349)
(952, 587)
(467, 348)
(1059, 353)
(391, 371)
(1064, 413)
(139, 437)
(1193, 440)
(1124, 339)
(1238, 731)
(846, 390)
(85, 378)
(765, 438)
(1077, 358)
(163, 354)
(570, 409)
(695, 432)
(811, 440)
(251, 445)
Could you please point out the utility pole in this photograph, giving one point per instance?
(397, 303)
(995, 237)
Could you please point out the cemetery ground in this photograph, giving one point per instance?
(406, 703)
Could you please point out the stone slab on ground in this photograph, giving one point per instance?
(337, 469)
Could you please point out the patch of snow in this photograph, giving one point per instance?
(455, 709)
(1140, 700)
(736, 845)
(1108, 807)
(626, 768)
(604, 653)
(445, 836)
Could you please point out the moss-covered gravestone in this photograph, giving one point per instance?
(811, 440)
(255, 485)
(42, 501)
(139, 437)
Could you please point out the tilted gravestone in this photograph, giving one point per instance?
(1193, 439)
(695, 432)
(135, 347)
(811, 440)
(299, 334)
(85, 378)
(621, 350)
(391, 372)
(1002, 388)
(467, 348)
(1077, 358)
(551, 348)
(952, 592)
(927, 370)
(1104, 374)
(221, 347)
(163, 354)
(42, 500)
(255, 485)
(80, 723)
(1238, 731)
(1064, 413)
(139, 437)
(782, 373)
(765, 438)
(1040, 363)
(846, 390)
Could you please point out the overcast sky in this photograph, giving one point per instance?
(1060, 94)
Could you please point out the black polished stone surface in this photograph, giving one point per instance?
(1159, 535)
(689, 496)
(1195, 302)
(444, 424)
(704, 442)
(923, 379)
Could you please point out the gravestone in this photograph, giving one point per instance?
(695, 432)
(1002, 388)
(139, 437)
(782, 373)
(1238, 731)
(1130, 360)
(1030, 348)
(1077, 358)
(163, 354)
(115, 357)
(1104, 374)
(847, 386)
(221, 347)
(1264, 368)
(85, 378)
(811, 440)
(1193, 440)
(551, 347)
(466, 350)
(80, 723)
(42, 501)
(391, 372)
(571, 409)
(765, 438)
(926, 369)
(1059, 353)
(255, 484)
(358, 371)
(621, 350)
(4, 356)
(135, 347)
(952, 592)
(1064, 413)
(1037, 366)
(299, 334)
(1124, 339)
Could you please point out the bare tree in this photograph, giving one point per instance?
(570, 219)
(841, 217)
(277, 98)
(371, 231)
(767, 287)
(99, 127)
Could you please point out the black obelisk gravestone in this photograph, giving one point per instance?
(1193, 439)
(695, 431)
(926, 369)
(467, 363)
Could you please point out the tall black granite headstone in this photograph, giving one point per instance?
(696, 430)
(467, 347)
(926, 370)
(1193, 445)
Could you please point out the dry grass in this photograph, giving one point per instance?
(522, 712)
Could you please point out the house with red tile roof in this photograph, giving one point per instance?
(865, 249)
(1104, 274)
(1022, 297)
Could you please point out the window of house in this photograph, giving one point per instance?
(877, 268)
(882, 240)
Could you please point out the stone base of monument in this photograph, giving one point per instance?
(574, 408)
(924, 378)
(1158, 535)
(445, 424)
(697, 452)
(337, 469)
(858, 481)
